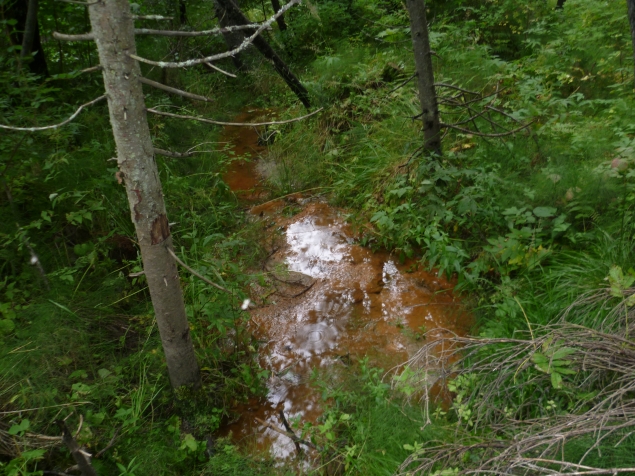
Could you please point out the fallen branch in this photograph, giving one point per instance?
(221, 123)
(290, 430)
(172, 90)
(246, 42)
(54, 126)
(287, 434)
(81, 457)
(109, 445)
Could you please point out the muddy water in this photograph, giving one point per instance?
(327, 302)
(245, 146)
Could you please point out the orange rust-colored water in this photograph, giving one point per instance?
(241, 175)
(330, 301)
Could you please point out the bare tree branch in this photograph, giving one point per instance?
(80, 37)
(151, 17)
(181, 155)
(246, 42)
(402, 84)
(285, 433)
(171, 90)
(149, 31)
(221, 123)
(190, 34)
(76, 2)
(216, 68)
(54, 126)
(197, 274)
(483, 134)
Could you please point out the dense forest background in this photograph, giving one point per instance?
(534, 227)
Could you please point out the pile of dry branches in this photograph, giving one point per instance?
(596, 368)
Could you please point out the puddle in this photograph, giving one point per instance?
(330, 302)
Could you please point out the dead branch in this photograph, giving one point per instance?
(173, 155)
(401, 85)
(483, 134)
(109, 445)
(13, 412)
(151, 17)
(287, 434)
(194, 34)
(175, 91)
(451, 86)
(79, 37)
(197, 274)
(149, 31)
(91, 70)
(246, 42)
(290, 430)
(81, 457)
(54, 126)
(221, 123)
(77, 2)
(216, 68)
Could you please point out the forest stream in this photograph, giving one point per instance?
(333, 301)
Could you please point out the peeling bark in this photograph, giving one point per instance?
(113, 28)
(425, 76)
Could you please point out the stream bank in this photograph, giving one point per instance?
(326, 302)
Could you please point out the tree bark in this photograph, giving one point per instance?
(236, 17)
(280, 20)
(113, 27)
(233, 39)
(425, 76)
(182, 12)
(26, 33)
(631, 20)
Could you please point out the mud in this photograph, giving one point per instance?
(330, 302)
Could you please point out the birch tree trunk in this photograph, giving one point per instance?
(113, 28)
(631, 20)
(425, 76)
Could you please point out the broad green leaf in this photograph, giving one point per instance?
(556, 380)
(6, 326)
(545, 212)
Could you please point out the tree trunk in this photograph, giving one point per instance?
(631, 20)
(233, 39)
(425, 75)
(236, 17)
(560, 4)
(182, 12)
(280, 20)
(113, 28)
(26, 33)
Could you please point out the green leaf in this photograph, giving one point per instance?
(562, 352)
(20, 427)
(189, 443)
(103, 373)
(556, 380)
(545, 212)
(6, 326)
